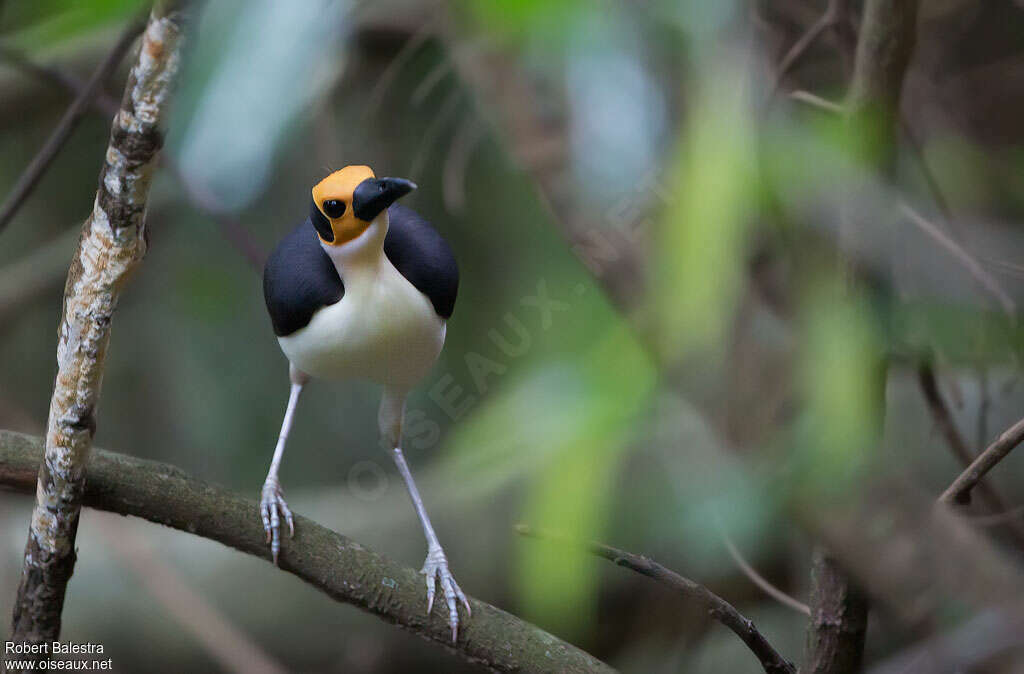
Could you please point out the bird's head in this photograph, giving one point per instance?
(348, 201)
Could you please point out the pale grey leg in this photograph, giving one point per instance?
(272, 503)
(435, 567)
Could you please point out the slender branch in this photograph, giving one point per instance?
(716, 607)
(102, 102)
(887, 37)
(947, 426)
(760, 581)
(201, 199)
(944, 420)
(960, 491)
(111, 245)
(835, 12)
(987, 281)
(816, 101)
(334, 564)
(41, 162)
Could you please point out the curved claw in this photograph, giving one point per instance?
(272, 507)
(436, 568)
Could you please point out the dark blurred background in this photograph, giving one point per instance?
(643, 130)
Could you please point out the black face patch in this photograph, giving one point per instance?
(320, 222)
(334, 208)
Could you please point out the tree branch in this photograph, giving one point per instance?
(839, 619)
(960, 491)
(201, 199)
(334, 564)
(28, 180)
(716, 607)
(944, 420)
(836, 12)
(966, 260)
(101, 101)
(112, 244)
(760, 581)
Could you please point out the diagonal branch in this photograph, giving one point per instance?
(41, 162)
(334, 564)
(102, 102)
(947, 426)
(760, 581)
(111, 246)
(960, 490)
(201, 199)
(966, 260)
(836, 12)
(717, 608)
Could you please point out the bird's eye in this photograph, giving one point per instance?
(334, 208)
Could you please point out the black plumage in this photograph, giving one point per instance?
(299, 277)
(423, 257)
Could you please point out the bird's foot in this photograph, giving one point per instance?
(435, 568)
(272, 508)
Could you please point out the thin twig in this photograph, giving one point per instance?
(333, 564)
(816, 101)
(967, 260)
(101, 101)
(30, 177)
(717, 608)
(930, 179)
(960, 491)
(760, 581)
(830, 18)
(201, 199)
(943, 418)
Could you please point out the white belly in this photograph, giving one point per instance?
(383, 329)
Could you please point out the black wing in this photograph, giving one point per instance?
(424, 258)
(298, 279)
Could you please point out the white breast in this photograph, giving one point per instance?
(382, 329)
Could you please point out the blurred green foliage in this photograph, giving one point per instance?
(577, 428)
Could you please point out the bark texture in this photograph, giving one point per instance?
(111, 245)
(839, 620)
(334, 564)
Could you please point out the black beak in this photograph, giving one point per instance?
(373, 195)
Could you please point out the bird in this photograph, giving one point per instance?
(362, 289)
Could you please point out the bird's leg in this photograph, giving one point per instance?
(435, 567)
(272, 504)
